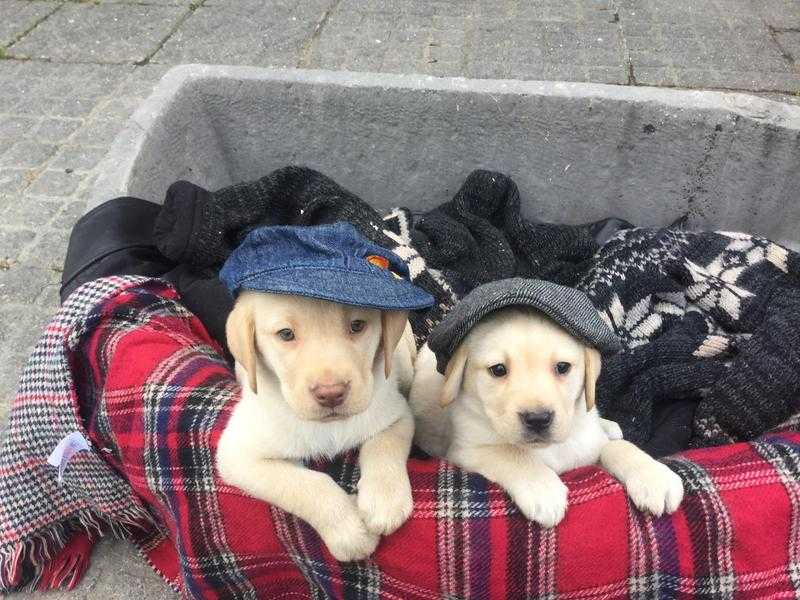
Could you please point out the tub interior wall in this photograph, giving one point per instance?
(575, 159)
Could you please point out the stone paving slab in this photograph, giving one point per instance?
(20, 16)
(780, 14)
(723, 44)
(48, 151)
(790, 43)
(99, 33)
(148, 2)
(253, 33)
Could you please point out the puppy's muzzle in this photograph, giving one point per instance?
(537, 422)
(330, 395)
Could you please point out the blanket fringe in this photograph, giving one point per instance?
(68, 567)
(58, 556)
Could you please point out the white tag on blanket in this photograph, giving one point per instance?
(68, 447)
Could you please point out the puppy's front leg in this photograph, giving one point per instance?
(651, 485)
(310, 495)
(535, 488)
(384, 491)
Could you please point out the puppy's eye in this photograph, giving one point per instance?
(287, 335)
(357, 325)
(563, 368)
(498, 370)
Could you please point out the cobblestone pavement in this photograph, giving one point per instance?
(72, 72)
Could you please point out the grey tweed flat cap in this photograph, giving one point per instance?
(568, 307)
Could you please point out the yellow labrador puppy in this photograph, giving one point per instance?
(516, 404)
(319, 378)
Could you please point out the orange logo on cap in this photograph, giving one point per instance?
(378, 261)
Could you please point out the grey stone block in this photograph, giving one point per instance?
(12, 243)
(616, 74)
(256, 34)
(363, 43)
(499, 45)
(66, 215)
(30, 213)
(55, 183)
(49, 250)
(156, 2)
(73, 107)
(18, 16)
(743, 80)
(15, 128)
(23, 283)
(790, 43)
(780, 13)
(84, 191)
(21, 327)
(119, 108)
(26, 154)
(102, 33)
(57, 130)
(13, 180)
(714, 53)
(310, 8)
(394, 7)
(654, 75)
(77, 158)
(49, 296)
(140, 82)
(27, 104)
(11, 365)
(98, 132)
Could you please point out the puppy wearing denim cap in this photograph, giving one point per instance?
(505, 387)
(323, 350)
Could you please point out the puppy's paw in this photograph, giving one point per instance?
(544, 502)
(348, 538)
(655, 489)
(612, 430)
(384, 501)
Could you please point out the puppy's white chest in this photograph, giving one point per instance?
(273, 430)
(581, 448)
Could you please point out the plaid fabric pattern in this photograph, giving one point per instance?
(156, 395)
(37, 516)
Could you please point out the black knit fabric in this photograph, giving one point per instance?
(711, 318)
(709, 322)
(201, 229)
(481, 236)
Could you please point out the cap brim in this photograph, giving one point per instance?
(380, 290)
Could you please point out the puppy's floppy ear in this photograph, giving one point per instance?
(240, 332)
(593, 362)
(453, 375)
(393, 324)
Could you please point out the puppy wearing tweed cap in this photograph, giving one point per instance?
(505, 387)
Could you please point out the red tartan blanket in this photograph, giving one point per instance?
(127, 365)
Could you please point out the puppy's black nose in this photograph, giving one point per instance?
(537, 422)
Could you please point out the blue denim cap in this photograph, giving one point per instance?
(331, 262)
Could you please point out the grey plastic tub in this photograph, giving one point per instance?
(577, 151)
